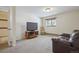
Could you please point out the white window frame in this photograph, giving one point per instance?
(51, 22)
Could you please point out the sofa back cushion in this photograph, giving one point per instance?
(75, 39)
(73, 35)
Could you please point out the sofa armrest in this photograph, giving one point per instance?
(61, 46)
(61, 41)
(65, 35)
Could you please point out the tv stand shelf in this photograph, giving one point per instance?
(30, 34)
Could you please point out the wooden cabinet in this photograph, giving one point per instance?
(3, 31)
(3, 23)
(31, 34)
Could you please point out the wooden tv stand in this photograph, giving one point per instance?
(30, 34)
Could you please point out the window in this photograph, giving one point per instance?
(51, 22)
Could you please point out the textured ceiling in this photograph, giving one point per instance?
(38, 10)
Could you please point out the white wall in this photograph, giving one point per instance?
(22, 16)
(66, 23)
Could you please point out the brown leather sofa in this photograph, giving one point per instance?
(63, 45)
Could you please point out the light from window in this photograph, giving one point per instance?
(51, 23)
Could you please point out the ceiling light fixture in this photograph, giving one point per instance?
(47, 9)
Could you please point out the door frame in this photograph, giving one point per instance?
(12, 26)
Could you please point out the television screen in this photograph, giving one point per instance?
(31, 26)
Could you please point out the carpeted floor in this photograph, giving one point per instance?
(40, 44)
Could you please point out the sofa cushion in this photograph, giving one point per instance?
(72, 37)
(65, 35)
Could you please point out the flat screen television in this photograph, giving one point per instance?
(32, 26)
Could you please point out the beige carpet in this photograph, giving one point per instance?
(40, 44)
